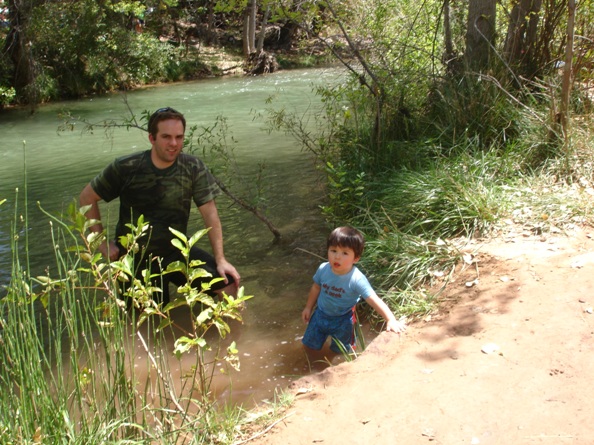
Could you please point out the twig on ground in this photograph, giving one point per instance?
(261, 433)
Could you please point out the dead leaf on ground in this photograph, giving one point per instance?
(428, 432)
(490, 348)
(472, 283)
(468, 258)
(303, 391)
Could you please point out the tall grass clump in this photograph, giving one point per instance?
(473, 107)
(73, 347)
(454, 196)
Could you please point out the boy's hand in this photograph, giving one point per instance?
(306, 315)
(396, 326)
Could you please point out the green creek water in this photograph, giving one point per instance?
(58, 165)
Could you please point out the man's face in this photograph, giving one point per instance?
(168, 143)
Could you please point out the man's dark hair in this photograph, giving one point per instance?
(163, 114)
(347, 237)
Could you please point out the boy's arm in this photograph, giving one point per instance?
(392, 325)
(312, 299)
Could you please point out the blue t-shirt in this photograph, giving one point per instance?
(339, 293)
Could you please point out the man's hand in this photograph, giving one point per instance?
(110, 252)
(225, 268)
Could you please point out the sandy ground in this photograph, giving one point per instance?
(440, 384)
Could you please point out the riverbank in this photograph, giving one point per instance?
(506, 359)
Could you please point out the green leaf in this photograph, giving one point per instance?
(196, 263)
(196, 236)
(179, 234)
(204, 316)
(199, 273)
(176, 266)
(222, 327)
(183, 345)
(178, 302)
(232, 348)
(180, 246)
(164, 323)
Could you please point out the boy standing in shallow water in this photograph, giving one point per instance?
(338, 285)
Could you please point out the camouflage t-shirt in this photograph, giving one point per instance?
(164, 196)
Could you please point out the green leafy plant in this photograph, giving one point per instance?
(67, 336)
(345, 191)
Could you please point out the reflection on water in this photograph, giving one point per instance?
(278, 274)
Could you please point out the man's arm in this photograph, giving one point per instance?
(88, 196)
(210, 215)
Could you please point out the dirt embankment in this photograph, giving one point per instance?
(506, 361)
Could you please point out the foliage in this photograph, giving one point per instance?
(473, 108)
(87, 48)
(7, 95)
(76, 48)
(345, 189)
(67, 338)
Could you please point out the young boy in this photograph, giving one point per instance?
(338, 285)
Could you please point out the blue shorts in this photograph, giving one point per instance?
(322, 326)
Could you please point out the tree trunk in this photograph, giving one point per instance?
(520, 41)
(260, 44)
(567, 71)
(211, 34)
(447, 30)
(449, 58)
(249, 28)
(19, 49)
(480, 33)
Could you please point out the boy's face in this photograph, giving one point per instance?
(341, 259)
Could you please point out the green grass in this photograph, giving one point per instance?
(71, 353)
(416, 222)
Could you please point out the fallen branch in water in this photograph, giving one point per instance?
(250, 208)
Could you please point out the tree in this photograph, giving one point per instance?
(520, 43)
(75, 47)
(262, 35)
(249, 28)
(20, 50)
(567, 71)
(480, 33)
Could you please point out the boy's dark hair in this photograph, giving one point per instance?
(347, 237)
(163, 114)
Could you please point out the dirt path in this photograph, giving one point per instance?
(435, 385)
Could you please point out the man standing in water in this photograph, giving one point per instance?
(161, 184)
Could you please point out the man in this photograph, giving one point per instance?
(161, 184)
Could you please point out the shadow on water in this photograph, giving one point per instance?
(278, 274)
